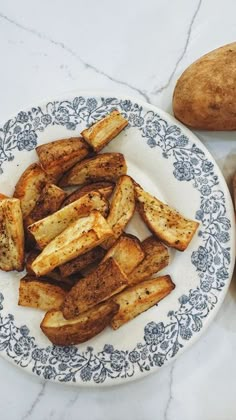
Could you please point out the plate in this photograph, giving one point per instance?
(169, 162)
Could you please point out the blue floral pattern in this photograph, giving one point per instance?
(211, 260)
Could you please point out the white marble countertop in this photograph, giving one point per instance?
(138, 48)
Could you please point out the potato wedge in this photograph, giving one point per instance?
(49, 202)
(165, 222)
(62, 332)
(81, 236)
(122, 208)
(127, 252)
(102, 283)
(105, 188)
(59, 156)
(40, 294)
(82, 261)
(11, 235)
(103, 131)
(137, 299)
(45, 230)
(29, 187)
(103, 167)
(156, 258)
(3, 196)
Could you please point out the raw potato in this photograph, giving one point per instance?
(49, 202)
(103, 167)
(165, 222)
(29, 187)
(103, 131)
(62, 332)
(122, 208)
(156, 258)
(137, 299)
(105, 281)
(127, 252)
(104, 187)
(11, 235)
(45, 230)
(81, 236)
(204, 96)
(40, 294)
(82, 261)
(59, 156)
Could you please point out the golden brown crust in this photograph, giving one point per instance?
(29, 187)
(59, 156)
(127, 252)
(102, 283)
(40, 294)
(121, 209)
(47, 229)
(82, 261)
(103, 167)
(105, 188)
(137, 299)
(165, 222)
(156, 258)
(103, 131)
(204, 96)
(11, 235)
(81, 236)
(62, 332)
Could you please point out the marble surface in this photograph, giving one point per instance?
(138, 48)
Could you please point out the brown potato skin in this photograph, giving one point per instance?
(204, 96)
(105, 188)
(82, 261)
(91, 323)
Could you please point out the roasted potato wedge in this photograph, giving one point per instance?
(62, 332)
(103, 167)
(103, 131)
(105, 281)
(59, 156)
(156, 258)
(127, 252)
(40, 294)
(11, 235)
(81, 236)
(3, 196)
(104, 187)
(29, 187)
(49, 202)
(47, 229)
(137, 299)
(165, 222)
(122, 208)
(82, 261)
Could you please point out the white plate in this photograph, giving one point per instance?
(169, 162)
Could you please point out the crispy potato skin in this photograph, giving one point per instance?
(47, 229)
(59, 156)
(29, 187)
(103, 131)
(128, 253)
(82, 261)
(11, 235)
(48, 203)
(105, 188)
(122, 208)
(165, 222)
(78, 330)
(103, 167)
(204, 96)
(156, 258)
(40, 294)
(81, 236)
(137, 299)
(103, 282)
